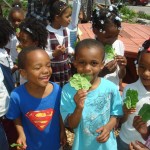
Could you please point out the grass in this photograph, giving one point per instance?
(130, 16)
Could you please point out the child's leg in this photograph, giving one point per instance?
(121, 144)
(3, 139)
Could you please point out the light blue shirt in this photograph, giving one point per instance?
(100, 105)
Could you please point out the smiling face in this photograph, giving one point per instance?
(109, 37)
(65, 18)
(144, 69)
(37, 69)
(16, 18)
(89, 61)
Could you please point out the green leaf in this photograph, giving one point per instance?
(131, 98)
(79, 81)
(145, 112)
(15, 145)
(17, 30)
(109, 52)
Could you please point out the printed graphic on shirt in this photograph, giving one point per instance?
(41, 118)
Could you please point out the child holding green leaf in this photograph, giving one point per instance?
(141, 127)
(136, 98)
(89, 104)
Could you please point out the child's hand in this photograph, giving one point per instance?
(104, 134)
(121, 61)
(128, 111)
(60, 49)
(79, 98)
(110, 67)
(140, 126)
(63, 138)
(22, 141)
(137, 146)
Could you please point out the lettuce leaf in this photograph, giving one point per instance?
(15, 145)
(131, 98)
(145, 112)
(109, 52)
(79, 81)
(17, 30)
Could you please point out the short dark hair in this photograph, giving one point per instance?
(6, 31)
(89, 43)
(22, 57)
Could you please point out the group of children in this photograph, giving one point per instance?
(45, 102)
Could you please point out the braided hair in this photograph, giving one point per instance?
(57, 8)
(6, 31)
(36, 30)
(104, 17)
(144, 49)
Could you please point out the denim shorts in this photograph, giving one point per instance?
(121, 144)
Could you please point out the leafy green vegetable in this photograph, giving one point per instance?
(109, 52)
(145, 112)
(15, 145)
(79, 81)
(131, 98)
(17, 30)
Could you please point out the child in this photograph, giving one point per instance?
(128, 133)
(4, 102)
(6, 31)
(34, 106)
(106, 25)
(32, 33)
(93, 113)
(16, 16)
(59, 41)
(142, 128)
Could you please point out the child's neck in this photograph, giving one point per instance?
(39, 92)
(55, 25)
(95, 84)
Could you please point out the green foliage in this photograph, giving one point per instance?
(79, 81)
(128, 15)
(109, 52)
(145, 112)
(131, 98)
(143, 15)
(6, 6)
(16, 145)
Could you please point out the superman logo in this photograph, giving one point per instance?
(40, 118)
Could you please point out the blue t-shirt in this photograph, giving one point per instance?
(100, 104)
(40, 117)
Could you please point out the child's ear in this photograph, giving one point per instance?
(102, 65)
(23, 73)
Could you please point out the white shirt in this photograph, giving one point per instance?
(12, 44)
(119, 50)
(128, 133)
(4, 97)
(5, 59)
(59, 35)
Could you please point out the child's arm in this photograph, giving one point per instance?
(79, 98)
(59, 50)
(122, 62)
(110, 67)
(137, 146)
(105, 130)
(63, 137)
(127, 112)
(141, 127)
(22, 138)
